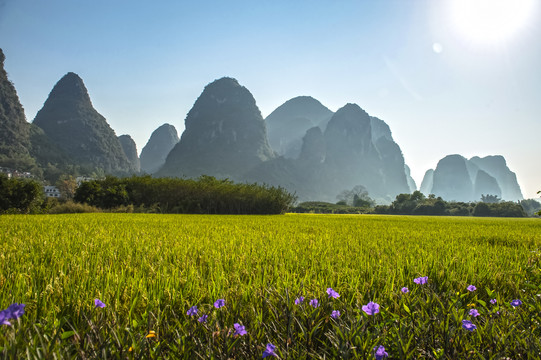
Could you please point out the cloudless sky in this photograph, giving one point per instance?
(441, 89)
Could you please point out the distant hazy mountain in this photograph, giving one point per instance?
(496, 166)
(485, 184)
(14, 130)
(456, 178)
(161, 142)
(452, 180)
(287, 124)
(71, 122)
(24, 146)
(348, 153)
(428, 182)
(357, 160)
(225, 135)
(130, 150)
(411, 183)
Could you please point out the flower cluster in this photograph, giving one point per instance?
(240, 330)
(332, 294)
(380, 353)
(219, 303)
(371, 309)
(13, 312)
(269, 350)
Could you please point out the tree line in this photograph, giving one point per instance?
(416, 203)
(419, 204)
(205, 195)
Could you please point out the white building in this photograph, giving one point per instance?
(51, 191)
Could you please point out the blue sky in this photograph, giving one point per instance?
(441, 89)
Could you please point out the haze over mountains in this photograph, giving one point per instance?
(301, 146)
(460, 179)
(153, 155)
(225, 135)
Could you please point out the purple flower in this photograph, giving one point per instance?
(15, 310)
(471, 288)
(421, 280)
(474, 313)
(493, 301)
(380, 353)
(371, 308)
(219, 303)
(98, 303)
(516, 302)
(192, 311)
(332, 294)
(405, 290)
(314, 303)
(269, 350)
(239, 329)
(468, 325)
(299, 300)
(203, 318)
(5, 315)
(335, 314)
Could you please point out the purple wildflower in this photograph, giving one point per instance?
(335, 314)
(474, 313)
(314, 303)
(219, 303)
(98, 303)
(380, 353)
(192, 311)
(493, 301)
(203, 318)
(405, 290)
(332, 294)
(269, 350)
(421, 280)
(471, 288)
(468, 325)
(299, 300)
(15, 310)
(5, 315)
(239, 329)
(371, 308)
(516, 302)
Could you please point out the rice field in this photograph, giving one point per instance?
(149, 271)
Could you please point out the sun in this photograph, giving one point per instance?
(490, 21)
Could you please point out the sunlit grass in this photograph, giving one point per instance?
(150, 269)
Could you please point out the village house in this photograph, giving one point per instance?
(51, 191)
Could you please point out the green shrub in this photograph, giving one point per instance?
(70, 207)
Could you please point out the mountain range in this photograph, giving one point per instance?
(301, 146)
(460, 179)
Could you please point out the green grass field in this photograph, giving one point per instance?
(150, 269)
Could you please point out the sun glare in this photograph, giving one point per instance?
(490, 21)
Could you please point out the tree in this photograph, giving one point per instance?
(539, 213)
(21, 196)
(358, 197)
(67, 185)
(530, 206)
(481, 209)
(406, 203)
(490, 199)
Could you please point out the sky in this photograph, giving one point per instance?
(447, 76)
